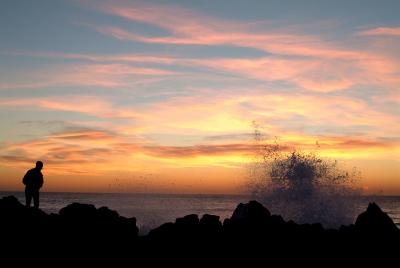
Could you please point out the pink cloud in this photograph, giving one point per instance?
(322, 67)
(91, 105)
(310, 73)
(393, 97)
(388, 31)
(108, 75)
(104, 75)
(328, 67)
(17, 85)
(168, 17)
(129, 58)
(190, 27)
(278, 43)
(120, 70)
(324, 85)
(228, 112)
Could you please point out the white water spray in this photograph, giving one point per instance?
(304, 187)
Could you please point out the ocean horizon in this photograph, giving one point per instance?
(153, 209)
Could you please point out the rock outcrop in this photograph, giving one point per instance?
(250, 233)
(374, 224)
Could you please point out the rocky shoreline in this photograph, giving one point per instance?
(85, 232)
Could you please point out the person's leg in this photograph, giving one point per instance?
(36, 198)
(28, 197)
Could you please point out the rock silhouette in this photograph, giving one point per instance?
(83, 231)
(376, 224)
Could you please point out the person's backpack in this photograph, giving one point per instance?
(26, 178)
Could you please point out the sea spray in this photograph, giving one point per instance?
(303, 187)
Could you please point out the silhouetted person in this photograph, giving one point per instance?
(33, 181)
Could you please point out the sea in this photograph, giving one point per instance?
(152, 210)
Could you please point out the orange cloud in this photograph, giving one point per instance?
(107, 151)
(200, 150)
(339, 143)
(96, 157)
(83, 135)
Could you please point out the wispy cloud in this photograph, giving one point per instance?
(83, 135)
(230, 113)
(90, 105)
(72, 149)
(326, 67)
(111, 58)
(319, 75)
(279, 112)
(187, 27)
(107, 75)
(393, 97)
(199, 150)
(217, 34)
(381, 31)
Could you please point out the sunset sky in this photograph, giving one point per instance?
(161, 96)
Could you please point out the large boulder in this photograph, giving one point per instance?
(376, 224)
(86, 220)
(10, 203)
(188, 220)
(162, 232)
(248, 222)
(183, 231)
(79, 212)
(210, 222)
(250, 213)
(12, 211)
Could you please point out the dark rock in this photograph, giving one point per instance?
(106, 213)
(75, 222)
(227, 222)
(252, 212)
(12, 211)
(163, 231)
(10, 203)
(249, 223)
(251, 233)
(210, 221)
(77, 211)
(210, 225)
(188, 220)
(376, 224)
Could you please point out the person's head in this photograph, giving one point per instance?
(39, 165)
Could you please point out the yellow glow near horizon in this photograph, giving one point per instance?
(221, 173)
